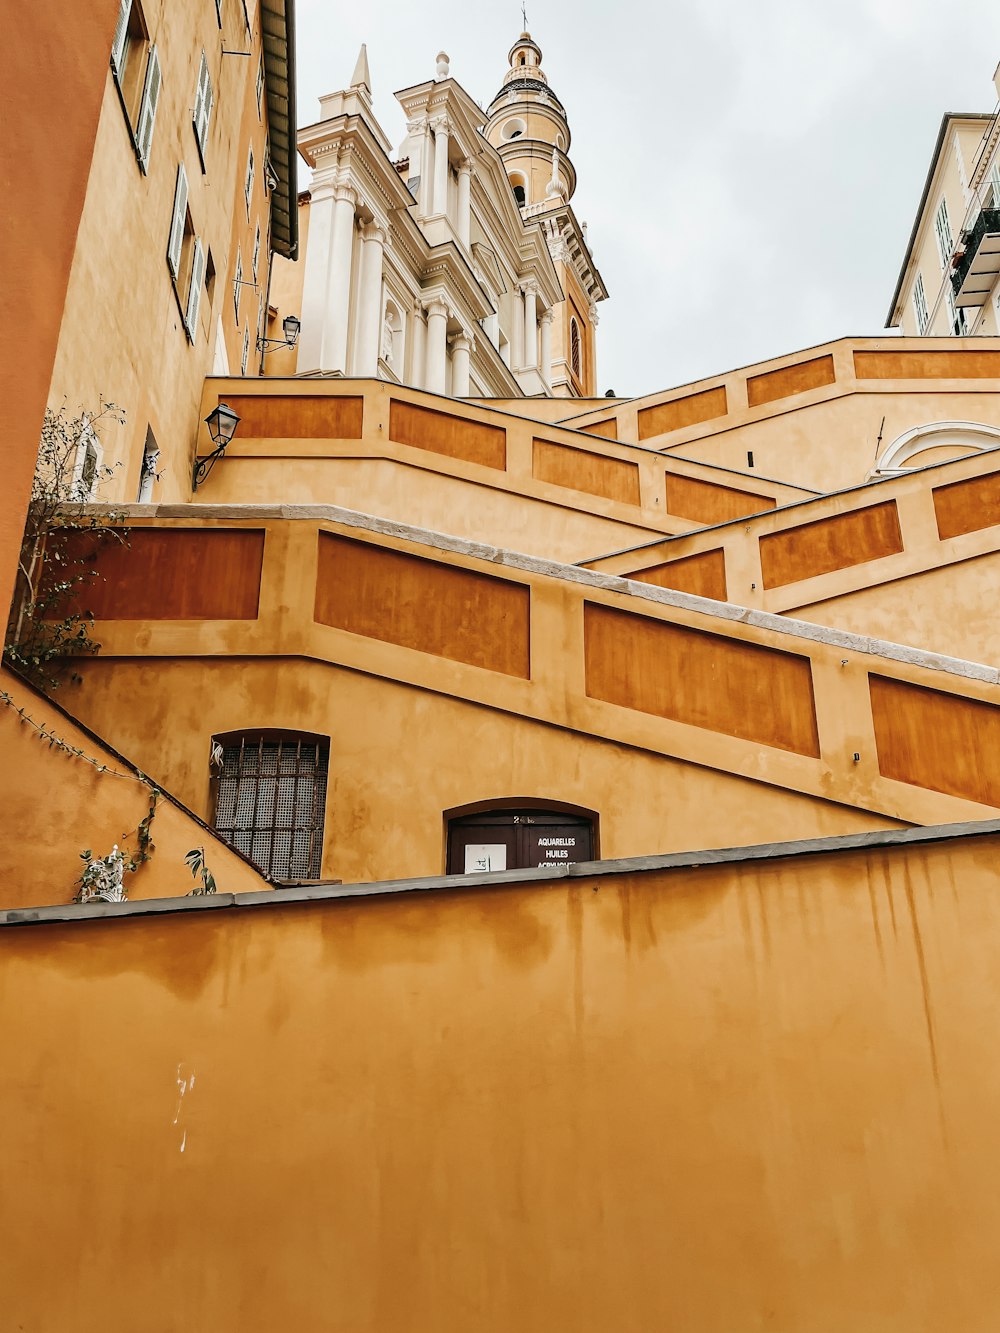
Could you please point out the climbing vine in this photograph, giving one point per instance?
(49, 621)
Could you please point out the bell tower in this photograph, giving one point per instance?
(528, 126)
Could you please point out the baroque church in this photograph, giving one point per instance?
(486, 287)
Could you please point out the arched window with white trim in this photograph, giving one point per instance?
(934, 442)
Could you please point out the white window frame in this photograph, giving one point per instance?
(248, 186)
(88, 442)
(194, 290)
(178, 218)
(260, 89)
(256, 251)
(995, 182)
(238, 283)
(942, 229)
(920, 304)
(246, 350)
(204, 101)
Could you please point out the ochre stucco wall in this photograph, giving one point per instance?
(400, 757)
(56, 129)
(55, 805)
(714, 1100)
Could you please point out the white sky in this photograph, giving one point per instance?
(749, 169)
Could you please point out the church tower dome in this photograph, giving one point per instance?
(527, 125)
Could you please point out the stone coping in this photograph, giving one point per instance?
(504, 559)
(879, 840)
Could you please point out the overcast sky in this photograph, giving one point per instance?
(749, 169)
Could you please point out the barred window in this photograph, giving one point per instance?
(270, 801)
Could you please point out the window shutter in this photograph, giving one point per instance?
(194, 294)
(202, 104)
(177, 221)
(121, 37)
(147, 111)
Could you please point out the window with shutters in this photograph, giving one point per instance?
(88, 465)
(256, 251)
(248, 184)
(942, 229)
(238, 284)
(270, 800)
(260, 89)
(920, 304)
(201, 115)
(246, 350)
(135, 66)
(185, 257)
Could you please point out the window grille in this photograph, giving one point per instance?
(270, 802)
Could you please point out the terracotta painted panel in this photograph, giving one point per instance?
(707, 503)
(967, 506)
(679, 412)
(789, 380)
(443, 433)
(927, 365)
(609, 429)
(579, 469)
(705, 680)
(703, 574)
(417, 603)
(312, 417)
(177, 574)
(830, 543)
(936, 740)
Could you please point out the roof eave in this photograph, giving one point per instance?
(278, 42)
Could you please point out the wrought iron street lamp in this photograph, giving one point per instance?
(221, 422)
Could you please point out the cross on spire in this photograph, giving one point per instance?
(524, 17)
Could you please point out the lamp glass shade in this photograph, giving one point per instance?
(222, 422)
(291, 325)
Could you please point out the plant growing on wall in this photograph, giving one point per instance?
(103, 877)
(195, 860)
(47, 621)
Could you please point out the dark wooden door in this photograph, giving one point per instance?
(517, 840)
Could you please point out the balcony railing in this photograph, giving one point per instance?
(977, 270)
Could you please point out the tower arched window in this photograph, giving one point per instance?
(574, 347)
(517, 184)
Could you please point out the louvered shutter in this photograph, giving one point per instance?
(177, 221)
(194, 294)
(202, 104)
(121, 37)
(147, 111)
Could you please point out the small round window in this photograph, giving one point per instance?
(513, 129)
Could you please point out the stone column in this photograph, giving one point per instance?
(373, 240)
(465, 202)
(530, 358)
(461, 349)
(426, 201)
(436, 361)
(418, 346)
(339, 287)
(441, 131)
(316, 281)
(546, 356)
